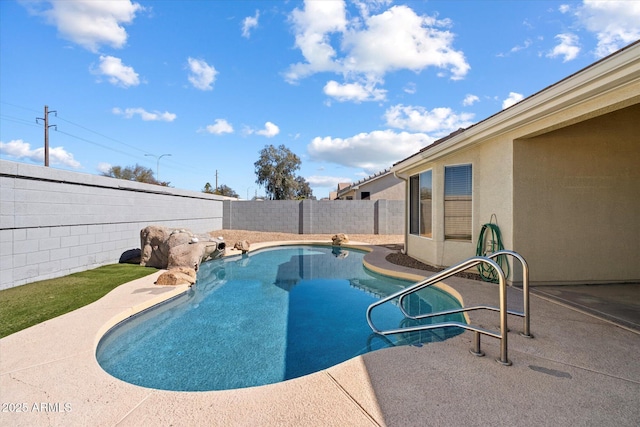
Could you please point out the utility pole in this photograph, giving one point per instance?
(216, 179)
(46, 132)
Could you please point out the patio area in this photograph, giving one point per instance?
(578, 370)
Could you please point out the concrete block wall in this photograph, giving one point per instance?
(316, 216)
(340, 216)
(55, 222)
(278, 216)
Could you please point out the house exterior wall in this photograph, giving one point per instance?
(387, 187)
(55, 222)
(557, 163)
(382, 187)
(577, 201)
(492, 195)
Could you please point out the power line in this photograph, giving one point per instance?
(19, 106)
(171, 163)
(18, 120)
(104, 136)
(94, 143)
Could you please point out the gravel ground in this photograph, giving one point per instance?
(395, 242)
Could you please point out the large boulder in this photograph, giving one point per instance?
(173, 248)
(177, 276)
(154, 244)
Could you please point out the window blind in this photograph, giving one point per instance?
(457, 202)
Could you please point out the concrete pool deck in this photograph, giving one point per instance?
(578, 370)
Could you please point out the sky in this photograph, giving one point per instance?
(195, 89)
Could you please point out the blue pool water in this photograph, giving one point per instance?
(265, 317)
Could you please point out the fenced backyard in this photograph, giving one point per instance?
(55, 222)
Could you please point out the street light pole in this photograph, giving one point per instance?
(158, 164)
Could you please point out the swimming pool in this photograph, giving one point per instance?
(265, 317)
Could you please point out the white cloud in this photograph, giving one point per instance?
(564, 8)
(523, 46)
(270, 130)
(401, 39)
(438, 121)
(354, 92)
(615, 23)
(372, 151)
(202, 74)
(366, 6)
(513, 98)
(410, 88)
(326, 181)
(470, 100)
(371, 45)
(21, 150)
(104, 167)
(517, 48)
(313, 26)
(116, 72)
(568, 47)
(89, 23)
(249, 23)
(219, 127)
(145, 115)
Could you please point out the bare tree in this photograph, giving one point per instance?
(134, 173)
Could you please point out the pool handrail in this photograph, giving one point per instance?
(525, 314)
(525, 295)
(471, 262)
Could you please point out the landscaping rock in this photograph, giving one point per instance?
(177, 276)
(154, 246)
(172, 248)
(339, 239)
(242, 245)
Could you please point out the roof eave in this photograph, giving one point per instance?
(620, 68)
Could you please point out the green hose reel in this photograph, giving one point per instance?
(490, 241)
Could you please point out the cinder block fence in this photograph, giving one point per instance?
(316, 216)
(55, 222)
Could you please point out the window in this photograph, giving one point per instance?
(420, 204)
(365, 195)
(457, 202)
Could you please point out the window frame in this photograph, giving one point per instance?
(416, 224)
(459, 237)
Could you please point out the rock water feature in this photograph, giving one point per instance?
(177, 250)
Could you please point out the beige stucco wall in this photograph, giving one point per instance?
(491, 165)
(387, 187)
(577, 201)
(560, 170)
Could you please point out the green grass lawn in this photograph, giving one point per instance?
(30, 304)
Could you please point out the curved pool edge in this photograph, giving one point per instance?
(379, 258)
(390, 270)
(52, 362)
(174, 291)
(265, 245)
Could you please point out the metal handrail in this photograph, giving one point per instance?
(471, 262)
(525, 290)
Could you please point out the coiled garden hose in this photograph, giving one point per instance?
(488, 245)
